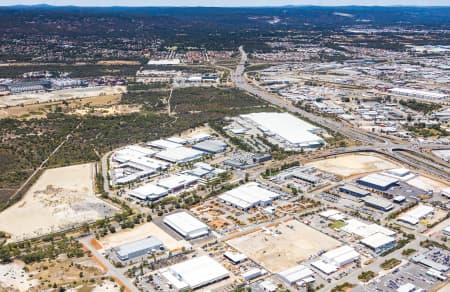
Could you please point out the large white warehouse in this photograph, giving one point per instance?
(248, 196)
(332, 260)
(289, 130)
(415, 215)
(180, 154)
(186, 225)
(194, 273)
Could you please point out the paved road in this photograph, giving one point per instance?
(359, 135)
(377, 143)
(111, 270)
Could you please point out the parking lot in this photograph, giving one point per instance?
(409, 273)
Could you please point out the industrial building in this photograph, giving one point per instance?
(332, 214)
(149, 192)
(179, 154)
(248, 196)
(354, 190)
(194, 273)
(402, 174)
(211, 146)
(138, 248)
(204, 171)
(253, 273)
(379, 242)
(162, 144)
(332, 260)
(186, 225)
(235, 258)
(131, 152)
(299, 134)
(419, 93)
(378, 203)
(177, 182)
(378, 181)
(446, 230)
(415, 215)
(296, 274)
(361, 229)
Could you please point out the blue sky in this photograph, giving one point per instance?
(227, 2)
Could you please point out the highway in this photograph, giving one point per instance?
(371, 141)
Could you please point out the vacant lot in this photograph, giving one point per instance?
(140, 232)
(426, 184)
(57, 95)
(61, 198)
(283, 246)
(353, 164)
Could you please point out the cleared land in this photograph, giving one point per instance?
(14, 278)
(140, 232)
(426, 184)
(283, 246)
(58, 95)
(353, 164)
(61, 198)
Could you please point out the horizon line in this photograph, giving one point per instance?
(203, 6)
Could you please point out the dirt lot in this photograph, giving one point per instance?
(59, 95)
(426, 184)
(352, 164)
(61, 198)
(65, 271)
(14, 278)
(40, 110)
(141, 232)
(277, 251)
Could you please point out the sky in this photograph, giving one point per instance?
(227, 3)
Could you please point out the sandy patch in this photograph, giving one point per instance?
(140, 232)
(426, 184)
(281, 247)
(352, 164)
(57, 95)
(61, 198)
(12, 276)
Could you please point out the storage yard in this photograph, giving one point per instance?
(61, 198)
(282, 246)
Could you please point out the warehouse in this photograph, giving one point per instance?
(379, 242)
(297, 135)
(194, 273)
(353, 190)
(361, 229)
(415, 215)
(177, 182)
(149, 192)
(234, 257)
(211, 146)
(402, 174)
(138, 248)
(163, 144)
(377, 181)
(248, 196)
(295, 274)
(179, 154)
(419, 93)
(204, 171)
(332, 260)
(147, 162)
(253, 273)
(378, 203)
(131, 152)
(186, 225)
